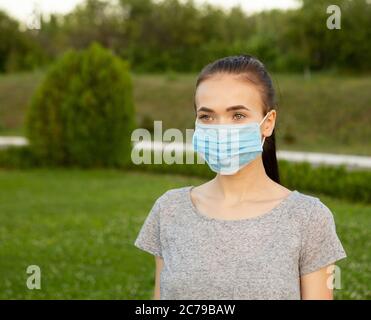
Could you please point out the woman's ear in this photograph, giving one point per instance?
(269, 123)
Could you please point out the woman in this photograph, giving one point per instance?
(241, 235)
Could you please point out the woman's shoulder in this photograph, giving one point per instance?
(310, 207)
(305, 200)
(173, 197)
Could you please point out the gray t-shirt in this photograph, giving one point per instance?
(260, 257)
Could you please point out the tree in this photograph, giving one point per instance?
(83, 113)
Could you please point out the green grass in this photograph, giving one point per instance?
(79, 227)
(15, 93)
(326, 113)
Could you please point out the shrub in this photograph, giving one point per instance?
(337, 182)
(18, 157)
(83, 113)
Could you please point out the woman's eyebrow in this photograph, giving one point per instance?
(238, 107)
(205, 109)
(231, 108)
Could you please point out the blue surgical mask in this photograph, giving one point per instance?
(227, 148)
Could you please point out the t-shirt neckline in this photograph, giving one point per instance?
(269, 213)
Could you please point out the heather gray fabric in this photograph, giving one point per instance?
(261, 257)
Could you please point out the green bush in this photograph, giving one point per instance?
(18, 157)
(83, 113)
(337, 182)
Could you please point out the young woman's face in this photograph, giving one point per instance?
(225, 99)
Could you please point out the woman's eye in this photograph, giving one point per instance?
(239, 116)
(204, 117)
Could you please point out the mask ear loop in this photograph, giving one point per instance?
(261, 124)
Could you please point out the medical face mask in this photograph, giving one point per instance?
(227, 148)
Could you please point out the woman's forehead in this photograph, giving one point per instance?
(220, 92)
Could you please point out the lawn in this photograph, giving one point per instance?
(326, 113)
(79, 227)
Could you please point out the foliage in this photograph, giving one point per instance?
(184, 36)
(18, 50)
(337, 182)
(83, 111)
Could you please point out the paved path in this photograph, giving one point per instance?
(314, 158)
(12, 141)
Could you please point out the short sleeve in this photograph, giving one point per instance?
(320, 244)
(148, 238)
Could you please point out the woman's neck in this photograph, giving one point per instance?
(247, 184)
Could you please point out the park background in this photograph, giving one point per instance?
(72, 202)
